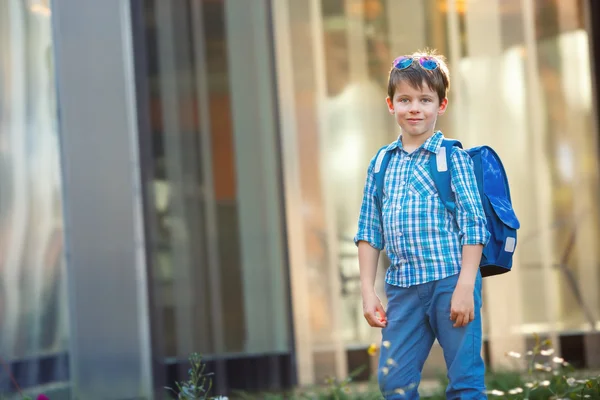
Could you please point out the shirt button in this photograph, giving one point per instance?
(402, 183)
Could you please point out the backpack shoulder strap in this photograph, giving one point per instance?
(439, 166)
(381, 163)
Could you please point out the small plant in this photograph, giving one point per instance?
(199, 382)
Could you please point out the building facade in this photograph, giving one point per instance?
(185, 176)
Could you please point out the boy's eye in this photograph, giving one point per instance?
(427, 100)
(403, 100)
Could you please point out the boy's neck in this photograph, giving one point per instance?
(411, 143)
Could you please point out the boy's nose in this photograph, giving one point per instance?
(414, 106)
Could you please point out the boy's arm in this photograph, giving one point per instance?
(370, 242)
(471, 221)
(370, 224)
(367, 261)
(462, 305)
(471, 256)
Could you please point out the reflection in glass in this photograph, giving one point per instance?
(207, 193)
(33, 307)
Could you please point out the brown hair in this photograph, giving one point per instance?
(438, 79)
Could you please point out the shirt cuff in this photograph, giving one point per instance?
(373, 237)
(475, 236)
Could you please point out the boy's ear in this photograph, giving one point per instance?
(443, 106)
(390, 105)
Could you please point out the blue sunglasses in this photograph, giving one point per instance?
(426, 62)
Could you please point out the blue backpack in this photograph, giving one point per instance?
(492, 183)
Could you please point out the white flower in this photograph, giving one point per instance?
(515, 391)
(529, 385)
(496, 392)
(545, 383)
(548, 352)
(538, 366)
(571, 382)
(558, 360)
(542, 367)
(513, 354)
(221, 398)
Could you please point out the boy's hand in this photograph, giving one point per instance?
(462, 306)
(371, 307)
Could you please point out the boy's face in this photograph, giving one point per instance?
(416, 110)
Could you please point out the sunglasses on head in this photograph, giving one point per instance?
(426, 62)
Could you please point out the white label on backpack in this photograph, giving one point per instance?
(440, 159)
(510, 245)
(379, 161)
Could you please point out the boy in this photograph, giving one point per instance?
(433, 284)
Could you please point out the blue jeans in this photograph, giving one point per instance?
(417, 315)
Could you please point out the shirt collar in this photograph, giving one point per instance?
(432, 144)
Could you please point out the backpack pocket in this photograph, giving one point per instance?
(504, 211)
(495, 188)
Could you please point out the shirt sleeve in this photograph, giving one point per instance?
(470, 216)
(370, 225)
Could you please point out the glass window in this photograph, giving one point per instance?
(218, 256)
(33, 304)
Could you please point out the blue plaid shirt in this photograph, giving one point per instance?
(422, 238)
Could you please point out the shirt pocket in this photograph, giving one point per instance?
(421, 183)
